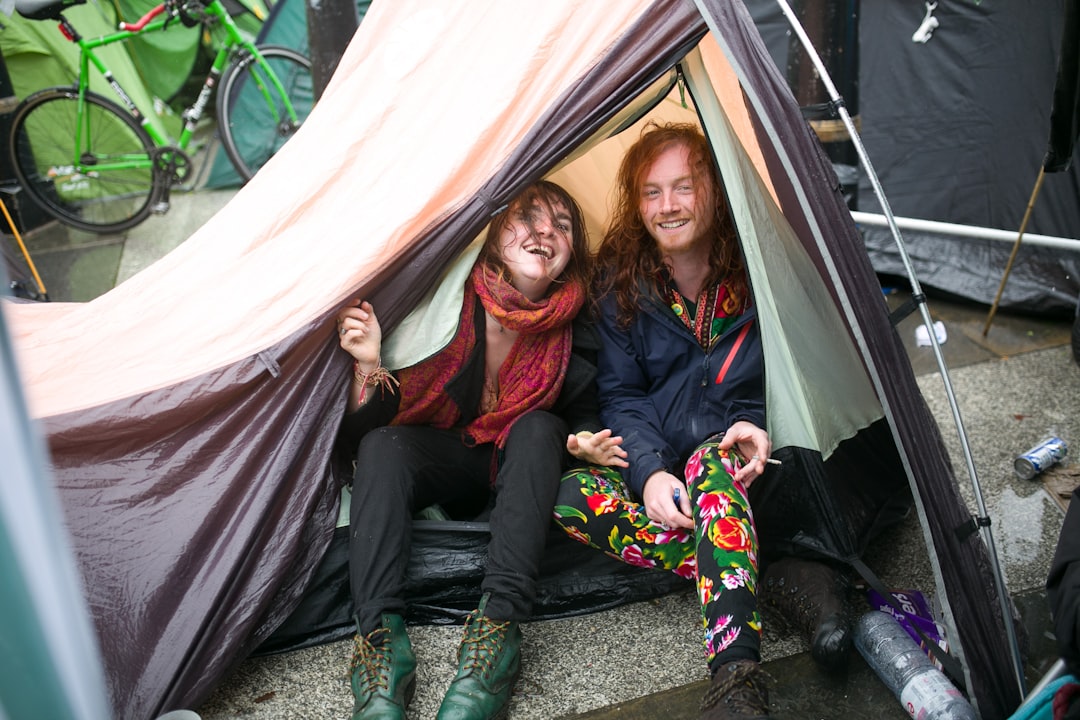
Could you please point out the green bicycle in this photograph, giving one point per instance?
(101, 166)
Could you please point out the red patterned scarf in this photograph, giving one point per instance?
(530, 378)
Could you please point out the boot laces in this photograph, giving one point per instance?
(482, 642)
(372, 657)
(744, 691)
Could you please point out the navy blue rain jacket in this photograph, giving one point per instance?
(658, 387)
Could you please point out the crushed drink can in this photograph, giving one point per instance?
(1040, 457)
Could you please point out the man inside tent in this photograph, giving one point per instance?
(681, 379)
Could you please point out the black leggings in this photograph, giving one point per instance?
(403, 469)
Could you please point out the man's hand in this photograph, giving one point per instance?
(659, 496)
(752, 445)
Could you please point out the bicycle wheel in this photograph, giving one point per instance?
(106, 184)
(252, 117)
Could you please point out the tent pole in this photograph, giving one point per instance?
(967, 231)
(1015, 250)
(838, 103)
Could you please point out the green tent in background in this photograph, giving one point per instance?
(37, 56)
(286, 26)
(165, 60)
(152, 68)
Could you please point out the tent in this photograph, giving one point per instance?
(192, 432)
(956, 129)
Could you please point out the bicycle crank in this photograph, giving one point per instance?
(171, 165)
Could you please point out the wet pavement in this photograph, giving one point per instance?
(1012, 386)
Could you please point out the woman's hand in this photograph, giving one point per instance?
(601, 448)
(659, 495)
(360, 335)
(753, 444)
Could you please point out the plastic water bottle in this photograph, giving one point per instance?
(922, 689)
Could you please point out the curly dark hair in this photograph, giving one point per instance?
(544, 194)
(628, 262)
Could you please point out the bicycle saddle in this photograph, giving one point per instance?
(44, 9)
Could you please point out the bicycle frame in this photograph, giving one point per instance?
(218, 20)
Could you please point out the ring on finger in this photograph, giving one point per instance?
(342, 330)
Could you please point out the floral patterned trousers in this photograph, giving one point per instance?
(594, 507)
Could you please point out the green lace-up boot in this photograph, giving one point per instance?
(383, 671)
(489, 662)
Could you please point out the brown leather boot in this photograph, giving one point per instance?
(739, 691)
(809, 595)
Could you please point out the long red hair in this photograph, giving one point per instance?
(628, 262)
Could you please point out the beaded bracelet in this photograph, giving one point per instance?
(380, 376)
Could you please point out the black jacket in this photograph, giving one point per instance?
(664, 393)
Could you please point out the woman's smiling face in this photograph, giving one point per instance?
(537, 244)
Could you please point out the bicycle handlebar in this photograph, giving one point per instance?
(142, 22)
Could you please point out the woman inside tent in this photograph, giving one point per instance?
(488, 416)
(680, 377)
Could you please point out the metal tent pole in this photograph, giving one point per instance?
(838, 103)
(967, 231)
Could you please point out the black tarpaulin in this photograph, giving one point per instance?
(956, 129)
(1065, 113)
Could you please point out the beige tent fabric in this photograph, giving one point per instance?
(589, 176)
(730, 96)
(795, 310)
(368, 171)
